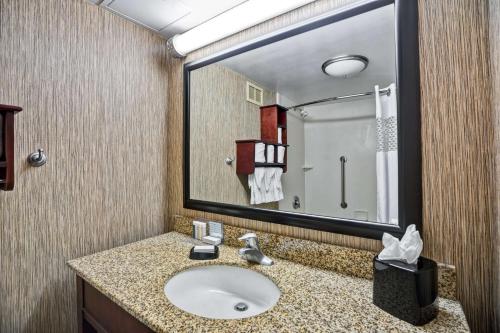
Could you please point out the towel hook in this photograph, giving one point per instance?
(38, 158)
(229, 160)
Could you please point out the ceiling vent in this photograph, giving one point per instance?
(155, 15)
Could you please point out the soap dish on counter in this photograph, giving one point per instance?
(204, 255)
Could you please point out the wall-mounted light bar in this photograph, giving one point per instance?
(238, 18)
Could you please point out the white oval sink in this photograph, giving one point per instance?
(222, 292)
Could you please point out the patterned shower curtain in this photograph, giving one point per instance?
(387, 156)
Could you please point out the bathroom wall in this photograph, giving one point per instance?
(457, 143)
(94, 91)
(494, 12)
(214, 129)
(293, 181)
(342, 129)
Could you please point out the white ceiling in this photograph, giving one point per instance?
(168, 17)
(292, 66)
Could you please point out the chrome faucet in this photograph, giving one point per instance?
(251, 252)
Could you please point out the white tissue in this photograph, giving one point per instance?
(280, 135)
(407, 250)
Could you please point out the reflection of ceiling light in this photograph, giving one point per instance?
(345, 66)
(238, 18)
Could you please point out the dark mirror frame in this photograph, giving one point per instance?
(409, 151)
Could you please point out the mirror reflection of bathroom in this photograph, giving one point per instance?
(328, 148)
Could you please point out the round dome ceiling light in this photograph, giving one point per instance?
(345, 66)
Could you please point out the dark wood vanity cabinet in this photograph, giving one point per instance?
(98, 314)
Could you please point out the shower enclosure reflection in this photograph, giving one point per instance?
(311, 120)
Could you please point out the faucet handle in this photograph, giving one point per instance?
(250, 240)
(248, 236)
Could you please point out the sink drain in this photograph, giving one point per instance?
(241, 307)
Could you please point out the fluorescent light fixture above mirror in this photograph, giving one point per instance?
(236, 19)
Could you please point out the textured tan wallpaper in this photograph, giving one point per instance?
(457, 139)
(495, 75)
(220, 115)
(94, 92)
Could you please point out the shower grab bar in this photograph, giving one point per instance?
(343, 160)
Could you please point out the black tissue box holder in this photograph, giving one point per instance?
(406, 291)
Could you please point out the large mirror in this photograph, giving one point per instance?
(315, 126)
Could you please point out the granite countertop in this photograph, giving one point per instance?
(312, 300)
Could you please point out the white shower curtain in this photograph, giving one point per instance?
(387, 156)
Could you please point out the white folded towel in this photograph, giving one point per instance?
(281, 154)
(260, 157)
(270, 154)
(256, 184)
(269, 179)
(278, 190)
(280, 135)
(265, 185)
